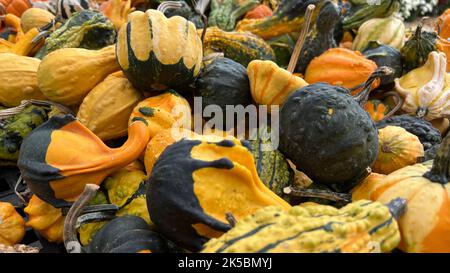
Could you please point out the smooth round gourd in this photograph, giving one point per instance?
(157, 53)
(396, 149)
(223, 82)
(12, 225)
(19, 79)
(108, 106)
(327, 135)
(45, 219)
(384, 55)
(35, 17)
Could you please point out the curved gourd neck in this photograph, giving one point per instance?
(363, 96)
(440, 172)
(138, 137)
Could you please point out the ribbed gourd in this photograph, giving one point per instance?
(157, 53)
(425, 225)
(85, 29)
(225, 13)
(359, 227)
(397, 148)
(271, 85)
(12, 90)
(388, 31)
(16, 128)
(45, 219)
(59, 157)
(343, 67)
(12, 225)
(167, 110)
(108, 106)
(67, 75)
(426, 89)
(242, 47)
(197, 182)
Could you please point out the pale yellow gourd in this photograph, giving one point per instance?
(67, 75)
(107, 108)
(427, 89)
(18, 79)
(35, 17)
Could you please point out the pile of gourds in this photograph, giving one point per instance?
(97, 99)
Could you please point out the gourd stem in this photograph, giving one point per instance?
(363, 96)
(15, 110)
(231, 219)
(200, 8)
(397, 207)
(163, 7)
(440, 172)
(317, 193)
(301, 39)
(398, 105)
(70, 233)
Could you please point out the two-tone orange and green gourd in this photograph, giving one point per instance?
(59, 157)
(157, 53)
(197, 182)
(359, 227)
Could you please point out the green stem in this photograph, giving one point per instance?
(440, 172)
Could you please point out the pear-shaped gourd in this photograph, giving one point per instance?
(67, 75)
(426, 89)
(61, 156)
(197, 182)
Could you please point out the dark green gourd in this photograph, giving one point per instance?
(321, 35)
(384, 55)
(416, 49)
(366, 10)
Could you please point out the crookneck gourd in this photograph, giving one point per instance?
(397, 148)
(321, 35)
(389, 31)
(242, 47)
(156, 52)
(424, 130)
(326, 121)
(85, 29)
(58, 158)
(271, 85)
(207, 180)
(107, 107)
(344, 67)
(425, 227)
(45, 219)
(384, 55)
(164, 111)
(223, 82)
(416, 50)
(12, 225)
(225, 13)
(18, 77)
(125, 234)
(365, 10)
(426, 89)
(67, 75)
(287, 18)
(16, 128)
(359, 227)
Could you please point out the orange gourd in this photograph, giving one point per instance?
(117, 11)
(259, 12)
(16, 7)
(12, 225)
(443, 26)
(343, 67)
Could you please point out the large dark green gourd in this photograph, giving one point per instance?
(321, 36)
(363, 11)
(225, 13)
(428, 135)
(416, 49)
(14, 129)
(127, 234)
(384, 55)
(327, 135)
(85, 29)
(273, 168)
(223, 82)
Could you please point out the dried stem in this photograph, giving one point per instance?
(231, 219)
(301, 39)
(316, 193)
